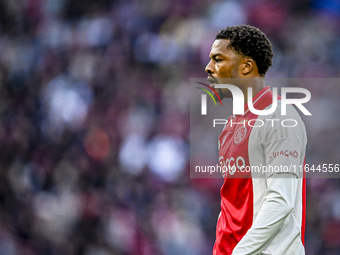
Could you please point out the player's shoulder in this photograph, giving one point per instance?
(283, 122)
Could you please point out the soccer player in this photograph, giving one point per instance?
(259, 214)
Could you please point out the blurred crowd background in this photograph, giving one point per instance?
(94, 127)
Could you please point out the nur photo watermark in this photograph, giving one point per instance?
(236, 134)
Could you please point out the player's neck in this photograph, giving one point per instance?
(256, 83)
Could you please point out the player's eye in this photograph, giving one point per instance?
(217, 60)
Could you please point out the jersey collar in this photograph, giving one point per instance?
(256, 99)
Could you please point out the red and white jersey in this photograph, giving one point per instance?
(262, 214)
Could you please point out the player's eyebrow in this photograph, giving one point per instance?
(212, 56)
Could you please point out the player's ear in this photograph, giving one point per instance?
(248, 66)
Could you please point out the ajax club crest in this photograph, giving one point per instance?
(240, 134)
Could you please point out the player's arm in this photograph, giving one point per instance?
(282, 187)
(280, 195)
(279, 202)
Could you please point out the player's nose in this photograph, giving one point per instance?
(209, 68)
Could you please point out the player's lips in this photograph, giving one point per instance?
(212, 80)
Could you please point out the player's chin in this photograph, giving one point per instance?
(220, 94)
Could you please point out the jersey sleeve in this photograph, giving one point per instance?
(279, 202)
(283, 139)
(283, 151)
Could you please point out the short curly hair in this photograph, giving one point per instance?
(251, 42)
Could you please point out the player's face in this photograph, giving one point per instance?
(224, 63)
